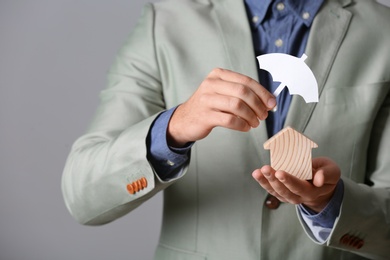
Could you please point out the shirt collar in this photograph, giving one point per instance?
(258, 9)
(304, 10)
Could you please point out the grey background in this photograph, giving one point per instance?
(54, 55)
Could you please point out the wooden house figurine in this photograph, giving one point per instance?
(291, 152)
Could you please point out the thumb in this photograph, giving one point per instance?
(325, 171)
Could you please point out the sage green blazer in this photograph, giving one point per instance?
(214, 209)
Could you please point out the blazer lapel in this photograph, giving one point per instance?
(326, 35)
(236, 35)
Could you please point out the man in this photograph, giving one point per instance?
(184, 112)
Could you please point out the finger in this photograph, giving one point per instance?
(305, 192)
(259, 176)
(288, 192)
(243, 93)
(284, 193)
(293, 184)
(226, 120)
(265, 97)
(262, 180)
(231, 105)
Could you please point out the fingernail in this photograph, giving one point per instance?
(271, 102)
(266, 174)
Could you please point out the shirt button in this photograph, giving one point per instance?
(255, 19)
(170, 163)
(306, 15)
(279, 42)
(280, 7)
(272, 202)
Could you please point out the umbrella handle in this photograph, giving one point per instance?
(276, 93)
(279, 89)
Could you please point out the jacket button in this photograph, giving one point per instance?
(144, 182)
(345, 239)
(359, 244)
(272, 202)
(130, 188)
(352, 241)
(139, 183)
(135, 186)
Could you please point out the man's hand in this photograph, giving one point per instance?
(314, 194)
(225, 98)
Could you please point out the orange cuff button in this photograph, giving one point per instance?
(130, 188)
(352, 241)
(137, 185)
(144, 182)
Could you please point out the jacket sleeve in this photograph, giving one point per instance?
(107, 173)
(363, 225)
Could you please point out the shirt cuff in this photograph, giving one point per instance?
(167, 161)
(321, 224)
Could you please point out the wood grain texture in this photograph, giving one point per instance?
(291, 152)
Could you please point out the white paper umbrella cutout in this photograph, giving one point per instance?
(292, 72)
